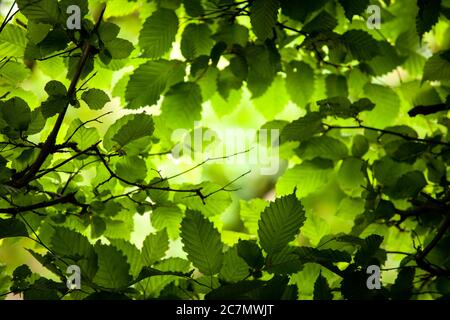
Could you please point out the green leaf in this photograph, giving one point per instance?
(354, 287)
(403, 286)
(300, 82)
(217, 51)
(361, 45)
(56, 40)
(193, 8)
(408, 185)
(336, 85)
(232, 34)
(315, 228)
(150, 80)
(350, 175)
(131, 128)
(280, 223)
(13, 72)
(273, 289)
(274, 100)
(387, 106)
(229, 80)
(98, 227)
(324, 256)
(182, 105)
(300, 10)
(321, 23)
(166, 272)
(263, 63)
(336, 106)
(82, 4)
(45, 11)
(370, 252)
(237, 291)
(37, 122)
(57, 99)
(234, 268)
(12, 41)
(322, 290)
(55, 88)
(168, 218)
(160, 197)
(134, 256)
(303, 128)
(20, 278)
(387, 171)
(108, 31)
(154, 247)
(353, 8)
(360, 146)
(387, 60)
(250, 212)
(323, 147)
(196, 41)
(10, 228)
(95, 98)
(10, 123)
(427, 16)
(54, 105)
(407, 152)
(284, 262)
(251, 253)
(48, 261)
(201, 241)
(84, 137)
(113, 268)
(308, 177)
(263, 17)
(158, 33)
(148, 272)
(169, 4)
(72, 245)
(437, 68)
(132, 167)
(119, 48)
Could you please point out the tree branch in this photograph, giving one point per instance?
(383, 131)
(84, 152)
(23, 178)
(441, 231)
(195, 191)
(421, 255)
(84, 123)
(8, 18)
(198, 166)
(70, 198)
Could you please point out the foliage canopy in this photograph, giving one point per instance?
(86, 131)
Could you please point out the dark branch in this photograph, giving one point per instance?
(195, 191)
(420, 257)
(70, 198)
(383, 131)
(8, 17)
(24, 178)
(426, 110)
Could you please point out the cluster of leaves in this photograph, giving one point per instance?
(378, 153)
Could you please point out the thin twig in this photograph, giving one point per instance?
(383, 131)
(84, 123)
